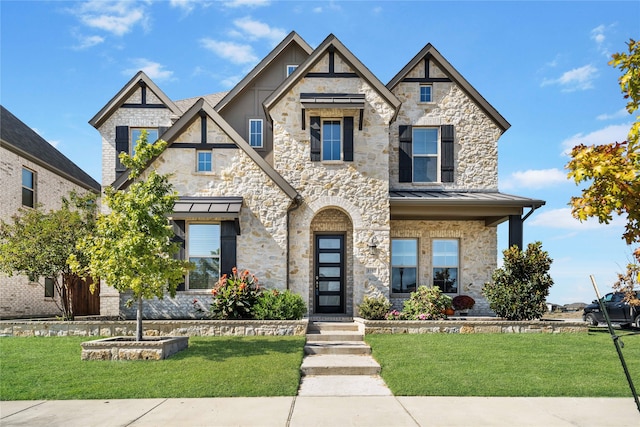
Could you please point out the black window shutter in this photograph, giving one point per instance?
(405, 162)
(161, 130)
(122, 144)
(447, 161)
(347, 138)
(179, 236)
(228, 235)
(314, 137)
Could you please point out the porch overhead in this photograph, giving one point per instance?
(207, 207)
(492, 207)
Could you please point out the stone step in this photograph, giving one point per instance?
(332, 326)
(339, 365)
(335, 336)
(337, 347)
(343, 385)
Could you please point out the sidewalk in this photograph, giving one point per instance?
(325, 411)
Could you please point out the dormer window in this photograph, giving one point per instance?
(255, 133)
(425, 93)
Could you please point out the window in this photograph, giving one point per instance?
(28, 188)
(425, 93)
(425, 155)
(291, 69)
(445, 265)
(203, 246)
(204, 161)
(331, 140)
(255, 133)
(136, 133)
(404, 265)
(48, 288)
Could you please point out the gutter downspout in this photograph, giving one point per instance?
(295, 204)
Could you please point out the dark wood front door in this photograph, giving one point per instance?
(329, 273)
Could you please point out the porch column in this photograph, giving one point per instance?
(515, 230)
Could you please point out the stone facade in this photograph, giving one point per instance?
(20, 297)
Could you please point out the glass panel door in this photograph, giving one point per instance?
(329, 274)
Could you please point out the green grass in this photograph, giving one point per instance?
(577, 365)
(50, 368)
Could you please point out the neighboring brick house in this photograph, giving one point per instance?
(33, 172)
(318, 178)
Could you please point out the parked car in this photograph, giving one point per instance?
(619, 311)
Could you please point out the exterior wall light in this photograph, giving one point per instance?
(373, 245)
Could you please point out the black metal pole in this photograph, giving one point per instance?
(616, 341)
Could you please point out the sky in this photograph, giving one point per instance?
(543, 65)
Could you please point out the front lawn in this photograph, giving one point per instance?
(577, 365)
(50, 368)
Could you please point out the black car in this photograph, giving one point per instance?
(619, 311)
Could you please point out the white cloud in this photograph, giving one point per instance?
(153, 69)
(599, 37)
(613, 133)
(88, 41)
(576, 79)
(617, 115)
(234, 52)
(540, 178)
(562, 219)
(258, 30)
(249, 3)
(116, 17)
(186, 6)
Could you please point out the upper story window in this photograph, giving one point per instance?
(445, 265)
(404, 265)
(28, 188)
(136, 133)
(331, 140)
(425, 155)
(425, 93)
(204, 161)
(291, 69)
(203, 248)
(255, 133)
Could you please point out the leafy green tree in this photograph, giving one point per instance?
(132, 247)
(38, 243)
(519, 289)
(613, 170)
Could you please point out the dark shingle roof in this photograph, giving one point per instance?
(21, 139)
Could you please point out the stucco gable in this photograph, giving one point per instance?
(417, 70)
(197, 110)
(151, 96)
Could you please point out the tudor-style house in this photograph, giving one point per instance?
(34, 173)
(318, 178)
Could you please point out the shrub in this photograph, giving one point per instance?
(374, 308)
(235, 296)
(463, 302)
(279, 305)
(520, 288)
(426, 303)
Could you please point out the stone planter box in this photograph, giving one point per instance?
(127, 348)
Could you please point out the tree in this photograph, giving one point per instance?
(613, 170)
(519, 289)
(132, 247)
(38, 243)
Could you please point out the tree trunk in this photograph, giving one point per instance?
(139, 320)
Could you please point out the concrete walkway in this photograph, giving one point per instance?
(325, 411)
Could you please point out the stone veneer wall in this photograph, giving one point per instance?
(18, 295)
(476, 135)
(477, 256)
(470, 326)
(359, 189)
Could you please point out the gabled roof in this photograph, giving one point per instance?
(22, 140)
(430, 52)
(331, 42)
(132, 85)
(293, 37)
(202, 106)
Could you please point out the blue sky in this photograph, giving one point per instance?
(542, 65)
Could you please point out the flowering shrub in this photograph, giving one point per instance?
(426, 304)
(393, 315)
(463, 302)
(374, 308)
(235, 296)
(279, 305)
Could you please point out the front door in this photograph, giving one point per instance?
(329, 273)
